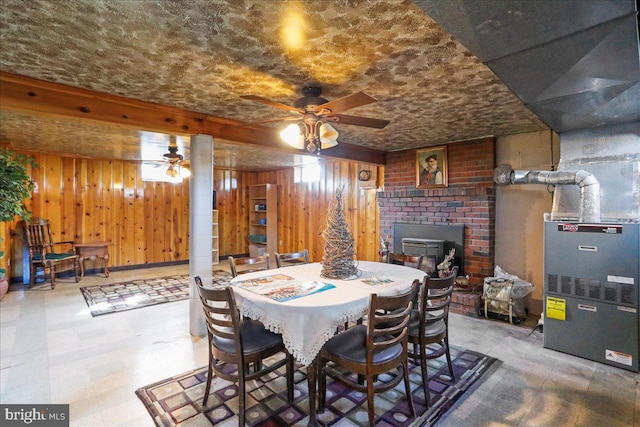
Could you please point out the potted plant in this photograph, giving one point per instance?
(15, 186)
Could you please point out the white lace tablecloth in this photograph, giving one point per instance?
(307, 322)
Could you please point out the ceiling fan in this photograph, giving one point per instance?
(176, 166)
(313, 132)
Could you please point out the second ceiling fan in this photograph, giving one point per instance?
(314, 113)
(177, 167)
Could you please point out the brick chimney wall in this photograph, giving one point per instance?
(468, 199)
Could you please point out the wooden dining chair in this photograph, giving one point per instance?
(405, 259)
(292, 258)
(248, 264)
(399, 259)
(241, 343)
(43, 252)
(430, 325)
(370, 350)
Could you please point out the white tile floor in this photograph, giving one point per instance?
(53, 351)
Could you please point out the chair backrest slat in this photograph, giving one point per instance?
(255, 264)
(38, 233)
(40, 237)
(221, 313)
(435, 298)
(292, 258)
(406, 259)
(388, 320)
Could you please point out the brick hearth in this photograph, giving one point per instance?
(466, 303)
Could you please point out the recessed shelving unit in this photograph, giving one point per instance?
(263, 220)
(215, 234)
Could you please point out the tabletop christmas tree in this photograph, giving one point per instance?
(337, 262)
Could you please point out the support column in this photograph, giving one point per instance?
(200, 217)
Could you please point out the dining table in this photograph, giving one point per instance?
(308, 309)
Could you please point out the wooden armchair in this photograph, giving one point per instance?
(42, 252)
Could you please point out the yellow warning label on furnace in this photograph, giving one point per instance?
(556, 308)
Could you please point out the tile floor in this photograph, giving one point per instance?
(53, 351)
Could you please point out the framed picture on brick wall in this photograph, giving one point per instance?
(431, 167)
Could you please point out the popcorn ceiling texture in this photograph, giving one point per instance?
(203, 55)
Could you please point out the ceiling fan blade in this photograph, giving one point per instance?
(277, 119)
(155, 163)
(361, 121)
(348, 102)
(272, 103)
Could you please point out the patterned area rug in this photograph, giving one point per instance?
(177, 401)
(137, 293)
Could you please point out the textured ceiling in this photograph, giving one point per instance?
(203, 55)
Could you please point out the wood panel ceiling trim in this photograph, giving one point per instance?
(25, 94)
(30, 95)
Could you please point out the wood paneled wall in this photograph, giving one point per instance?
(232, 194)
(90, 200)
(303, 206)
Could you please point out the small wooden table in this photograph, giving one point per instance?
(92, 251)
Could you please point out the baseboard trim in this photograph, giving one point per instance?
(18, 282)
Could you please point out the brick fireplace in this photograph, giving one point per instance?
(469, 200)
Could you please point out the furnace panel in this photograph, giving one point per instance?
(592, 296)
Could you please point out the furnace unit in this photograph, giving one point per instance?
(592, 291)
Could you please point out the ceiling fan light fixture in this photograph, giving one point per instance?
(328, 136)
(312, 133)
(292, 136)
(177, 172)
(328, 144)
(172, 171)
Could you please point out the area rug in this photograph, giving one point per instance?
(177, 401)
(138, 293)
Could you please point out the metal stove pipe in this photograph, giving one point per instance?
(589, 186)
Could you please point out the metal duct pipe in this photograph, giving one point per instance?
(589, 186)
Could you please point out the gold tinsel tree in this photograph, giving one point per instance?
(337, 262)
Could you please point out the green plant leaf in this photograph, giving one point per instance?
(15, 184)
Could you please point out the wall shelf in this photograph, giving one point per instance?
(215, 244)
(263, 220)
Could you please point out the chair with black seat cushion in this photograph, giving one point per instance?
(429, 325)
(43, 253)
(404, 259)
(292, 258)
(248, 264)
(367, 351)
(235, 344)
